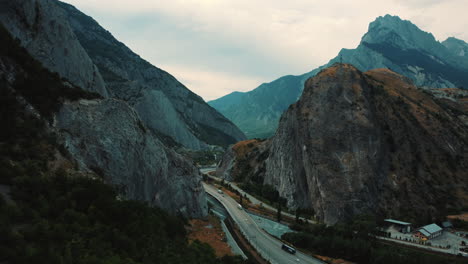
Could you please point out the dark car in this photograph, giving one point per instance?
(288, 249)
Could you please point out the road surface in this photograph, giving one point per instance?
(250, 197)
(266, 245)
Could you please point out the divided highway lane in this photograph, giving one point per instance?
(267, 246)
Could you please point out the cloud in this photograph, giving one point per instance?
(246, 41)
(211, 84)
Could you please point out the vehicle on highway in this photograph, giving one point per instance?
(239, 206)
(219, 191)
(288, 249)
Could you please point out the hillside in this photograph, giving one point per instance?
(359, 143)
(390, 43)
(51, 211)
(164, 104)
(97, 133)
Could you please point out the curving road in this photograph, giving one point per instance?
(250, 197)
(267, 246)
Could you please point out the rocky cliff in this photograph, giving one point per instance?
(390, 43)
(366, 143)
(456, 46)
(165, 105)
(101, 135)
(108, 137)
(44, 31)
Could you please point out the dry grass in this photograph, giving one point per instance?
(463, 217)
(332, 260)
(210, 231)
(243, 148)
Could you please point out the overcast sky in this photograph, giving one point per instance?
(215, 47)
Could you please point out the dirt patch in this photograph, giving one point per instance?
(210, 231)
(463, 217)
(332, 260)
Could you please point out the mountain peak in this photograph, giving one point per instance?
(456, 46)
(399, 33)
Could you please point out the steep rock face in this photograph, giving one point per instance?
(390, 43)
(165, 105)
(44, 31)
(368, 143)
(456, 46)
(105, 136)
(244, 161)
(108, 137)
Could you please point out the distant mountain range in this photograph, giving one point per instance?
(390, 43)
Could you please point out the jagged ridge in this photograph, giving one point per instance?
(389, 43)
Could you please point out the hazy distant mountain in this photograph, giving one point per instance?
(457, 47)
(389, 43)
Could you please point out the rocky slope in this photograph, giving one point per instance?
(364, 143)
(456, 47)
(44, 31)
(165, 105)
(101, 135)
(389, 43)
(130, 156)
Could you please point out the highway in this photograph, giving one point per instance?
(250, 197)
(266, 245)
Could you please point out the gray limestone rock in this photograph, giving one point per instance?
(187, 119)
(363, 143)
(44, 31)
(108, 137)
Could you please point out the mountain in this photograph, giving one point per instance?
(359, 143)
(390, 43)
(55, 80)
(164, 104)
(257, 112)
(54, 211)
(456, 47)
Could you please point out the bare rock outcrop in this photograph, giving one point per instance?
(44, 31)
(165, 105)
(107, 136)
(371, 142)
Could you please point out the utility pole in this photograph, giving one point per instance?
(279, 212)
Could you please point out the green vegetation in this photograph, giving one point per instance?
(203, 157)
(460, 224)
(58, 215)
(59, 219)
(353, 241)
(264, 192)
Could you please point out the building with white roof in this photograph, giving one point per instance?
(428, 232)
(403, 227)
